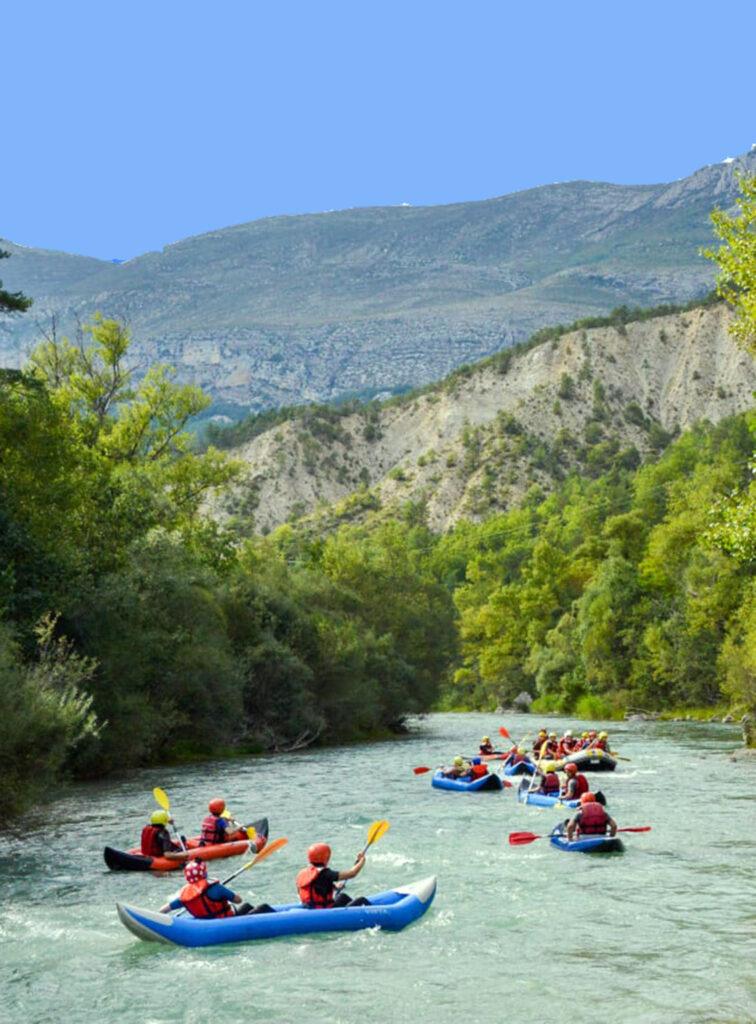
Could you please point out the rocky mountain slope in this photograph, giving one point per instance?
(479, 440)
(292, 309)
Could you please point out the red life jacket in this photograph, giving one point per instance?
(210, 834)
(150, 845)
(593, 819)
(478, 770)
(581, 786)
(194, 898)
(550, 783)
(307, 893)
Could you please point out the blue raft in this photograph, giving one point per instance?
(485, 782)
(391, 911)
(521, 768)
(540, 799)
(586, 844)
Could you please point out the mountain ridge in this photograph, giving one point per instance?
(313, 306)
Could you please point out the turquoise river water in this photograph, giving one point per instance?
(662, 933)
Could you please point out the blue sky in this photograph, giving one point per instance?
(131, 125)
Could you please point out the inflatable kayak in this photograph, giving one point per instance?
(391, 911)
(135, 860)
(485, 782)
(540, 799)
(589, 761)
(585, 844)
(521, 768)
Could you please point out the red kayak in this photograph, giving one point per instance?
(237, 844)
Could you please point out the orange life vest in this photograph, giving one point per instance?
(478, 770)
(550, 783)
(198, 903)
(593, 819)
(308, 894)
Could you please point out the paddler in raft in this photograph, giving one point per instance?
(516, 756)
(316, 884)
(591, 819)
(575, 784)
(460, 769)
(567, 744)
(203, 897)
(156, 839)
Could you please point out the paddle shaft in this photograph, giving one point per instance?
(377, 833)
(162, 798)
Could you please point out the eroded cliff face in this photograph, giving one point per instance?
(476, 442)
(312, 307)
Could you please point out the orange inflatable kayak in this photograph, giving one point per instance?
(135, 860)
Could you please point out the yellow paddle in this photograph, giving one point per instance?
(251, 834)
(375, 832)
(161, 797)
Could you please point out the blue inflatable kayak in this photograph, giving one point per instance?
(485, 782)
(391, 911)
(540, 799)
(586, 844)
(521, 768)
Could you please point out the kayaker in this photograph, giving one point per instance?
(203, 897)
(316, 884)
(516, 756)
(460, 769)
(591, 819)
(477, 768)
(156, 839)
(214, 826)
(575, 784)
(550, 781)
(486, 746)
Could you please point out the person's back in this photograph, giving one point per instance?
(156, 839)
(316, 884)
(214, 825)
(591, 819)
(550, 781)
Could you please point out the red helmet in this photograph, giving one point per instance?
(588, 798)
(319, 853)
(195, 871)
(571, 768)
(216, 805)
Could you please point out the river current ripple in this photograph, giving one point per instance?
(664, 933)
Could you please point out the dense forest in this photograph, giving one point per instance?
(135, 629)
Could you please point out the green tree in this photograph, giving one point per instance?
(737, 262)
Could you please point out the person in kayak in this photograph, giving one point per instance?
(516, 756)
(478, 768)
(316, 884)
(460, 769)
(203, 897)
(156, 839)
(550, 781)
(214, 827)
(591, 819)
(575, 784)
(486, 746)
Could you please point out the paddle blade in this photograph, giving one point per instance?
(522, 838)
(251, 834)
(161, 797)
(270, 848)
(376, 831)
(421, 770)
(640, 828)
(503, 732)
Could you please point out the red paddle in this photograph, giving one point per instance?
(423, 769)
(522, 838)
(503, 732)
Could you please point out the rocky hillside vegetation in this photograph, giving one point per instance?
(590, 398)
(363, 302)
